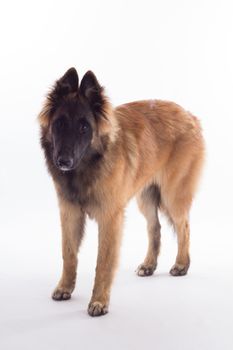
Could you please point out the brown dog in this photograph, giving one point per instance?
(100, 157)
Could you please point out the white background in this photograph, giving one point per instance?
(175, 50)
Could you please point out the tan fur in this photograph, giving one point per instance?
(153, 143)
(148, 202)
(72, 223)
(44, 115)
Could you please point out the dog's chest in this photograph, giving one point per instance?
(80, 189)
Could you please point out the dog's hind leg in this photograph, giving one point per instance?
(148, 202)
(176, 202)
(182, 260)
(177, 194)
(72, 223)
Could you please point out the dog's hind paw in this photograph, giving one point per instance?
(144, 270)
(179, 270)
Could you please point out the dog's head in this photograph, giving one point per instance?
(74, 119)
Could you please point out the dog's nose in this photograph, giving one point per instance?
(65, 163)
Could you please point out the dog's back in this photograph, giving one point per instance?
(163, 139)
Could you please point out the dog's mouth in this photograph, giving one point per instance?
(65, 168)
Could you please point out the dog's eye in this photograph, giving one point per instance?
(83, 128)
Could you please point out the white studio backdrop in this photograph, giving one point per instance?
(175, 50)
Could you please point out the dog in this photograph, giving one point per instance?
(100, 157)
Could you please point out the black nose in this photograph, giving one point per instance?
(65, 162)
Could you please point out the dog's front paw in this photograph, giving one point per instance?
(96, 308)
(61, 294)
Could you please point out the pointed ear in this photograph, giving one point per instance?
(68, 83)
(92, 91)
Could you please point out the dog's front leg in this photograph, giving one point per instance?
(110, 232)
(72, 224)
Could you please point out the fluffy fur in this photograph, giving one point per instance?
(153, 150)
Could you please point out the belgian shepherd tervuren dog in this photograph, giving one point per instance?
(100, 157)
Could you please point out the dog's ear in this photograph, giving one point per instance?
(67, 83)
(92, 91)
